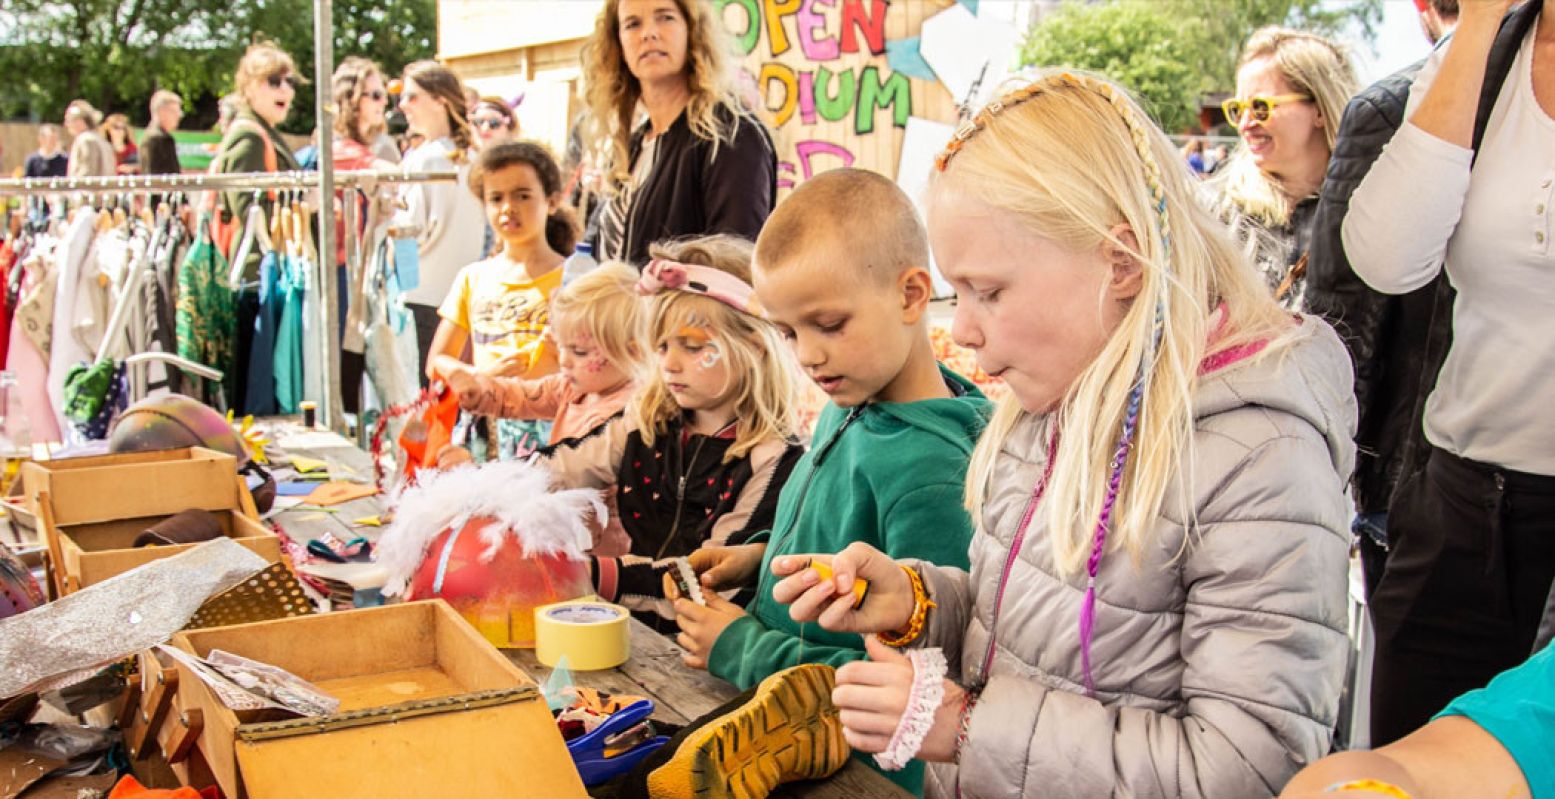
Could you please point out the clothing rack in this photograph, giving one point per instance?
(326, 180)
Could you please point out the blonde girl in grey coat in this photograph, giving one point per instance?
(1156, 602)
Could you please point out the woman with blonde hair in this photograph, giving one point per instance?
(90, 154)
(700, 163)
(1156, 604)
(1291, 90)
(444, 218)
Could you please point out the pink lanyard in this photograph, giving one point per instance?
(1015, 545)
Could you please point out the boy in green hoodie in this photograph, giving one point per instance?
(888, 460)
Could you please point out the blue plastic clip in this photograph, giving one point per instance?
(588, 751)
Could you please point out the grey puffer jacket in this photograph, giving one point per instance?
(1217, 662)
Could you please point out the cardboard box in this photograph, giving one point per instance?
(428, 708)
(90, 510)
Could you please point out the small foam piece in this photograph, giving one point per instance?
(860, 585)
(686, 578)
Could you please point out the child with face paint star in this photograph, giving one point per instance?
(890, 452)
(702, 450)
(595, 322)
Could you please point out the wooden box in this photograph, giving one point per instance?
(428, 708)
(90, 510)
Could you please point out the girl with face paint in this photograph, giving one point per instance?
(702, 450)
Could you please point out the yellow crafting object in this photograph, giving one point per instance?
(860, 585)
(254, 438)
(306, 465)
(368, 521)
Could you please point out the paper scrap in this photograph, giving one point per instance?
(368, 521)
(305, 465)
(336, 492)
(970, 55)
(903, 56)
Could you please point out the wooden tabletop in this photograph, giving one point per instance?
(654, 670)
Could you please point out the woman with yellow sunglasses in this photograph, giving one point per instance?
(1291, 90)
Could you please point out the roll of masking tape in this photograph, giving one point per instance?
(592, 635)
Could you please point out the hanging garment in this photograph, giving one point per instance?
(288, 338)
(390, 337)
(259, 399)
(24, 359)
(7, 302)
(160, 306)
(207, 313)
(313, 366)
(72, 283)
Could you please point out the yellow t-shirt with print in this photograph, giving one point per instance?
(504, 310)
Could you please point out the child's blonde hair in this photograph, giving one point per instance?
(603, 305)
(764, 386)
(1312, 65)
(1072, 156)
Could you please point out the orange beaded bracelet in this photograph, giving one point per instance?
(920, 613)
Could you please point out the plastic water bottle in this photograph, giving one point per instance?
(580, 262)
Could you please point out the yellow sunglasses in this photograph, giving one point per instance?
(1259, 107)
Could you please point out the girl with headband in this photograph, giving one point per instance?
(702, 451)
(1156, 603)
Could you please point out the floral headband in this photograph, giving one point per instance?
(661, 275)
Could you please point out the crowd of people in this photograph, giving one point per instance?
(1128, 575)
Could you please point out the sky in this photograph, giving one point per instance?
(1399, 43)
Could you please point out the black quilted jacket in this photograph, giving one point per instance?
(1397, 342)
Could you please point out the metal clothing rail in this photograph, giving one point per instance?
(327, 180)
(235, 181)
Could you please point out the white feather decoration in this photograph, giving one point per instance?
(515, 494)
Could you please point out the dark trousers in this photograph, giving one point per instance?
(427, 321)
(1472, 555)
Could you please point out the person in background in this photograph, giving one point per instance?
(471, 97)
(700, 163)
(266, 83)
(1464, 190)
(116, 130)
(1437, 18)
(1387, 336)
(226, 111)
(1291, 89)
(362, 96)
(444, 218)
(158, 151)
(494, 122)
(90, 153)
(49, 161)
(1193, 153)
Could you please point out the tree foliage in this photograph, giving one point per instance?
(115, 53)
(1169, 52)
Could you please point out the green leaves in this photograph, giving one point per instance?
(1169, 52)
(115, 53)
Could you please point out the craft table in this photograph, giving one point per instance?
(654, 671)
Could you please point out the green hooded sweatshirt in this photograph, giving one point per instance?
(888, 474)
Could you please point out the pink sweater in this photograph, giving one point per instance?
(572, 415)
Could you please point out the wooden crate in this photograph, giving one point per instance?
(428, 708)
(90, 510)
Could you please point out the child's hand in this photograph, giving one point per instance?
(887, 607)
(452, 456)
(514, 364)
(462, 381)
(723, 568)
(700, 626)
(872, 695)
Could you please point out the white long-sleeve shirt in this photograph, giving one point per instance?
(1418, 211)
(451, 222)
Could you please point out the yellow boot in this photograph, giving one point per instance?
(787, 730)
